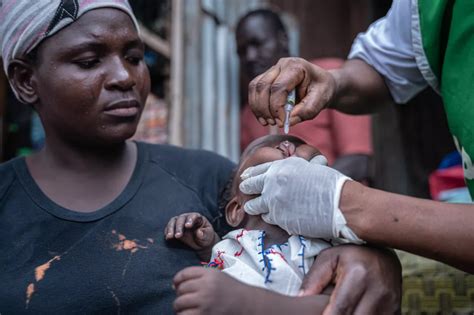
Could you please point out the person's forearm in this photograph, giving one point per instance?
(359, 88)
(267, 302)
(437, 230)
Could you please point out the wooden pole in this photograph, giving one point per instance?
(177, 71)
(3, 107)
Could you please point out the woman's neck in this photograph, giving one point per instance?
(81, 158)
(83, 180)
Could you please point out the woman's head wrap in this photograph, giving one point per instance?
(25, 23)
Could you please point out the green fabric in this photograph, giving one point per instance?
(447, 31)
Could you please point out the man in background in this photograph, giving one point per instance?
(345, 140)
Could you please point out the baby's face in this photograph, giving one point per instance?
(272, 148)
(269, 151)
(273, 151)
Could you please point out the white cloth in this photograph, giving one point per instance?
(279, 268)
(392, 45)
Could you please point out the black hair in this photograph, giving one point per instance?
(32, 56)
(220, 223)
(270, 15)
(227, 192)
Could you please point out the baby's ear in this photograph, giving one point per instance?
(234, 213)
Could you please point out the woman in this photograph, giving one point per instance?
(83, 217)
(81, 221)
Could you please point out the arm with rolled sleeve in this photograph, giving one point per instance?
(388, 47)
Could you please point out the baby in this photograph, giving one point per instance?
(256, 253)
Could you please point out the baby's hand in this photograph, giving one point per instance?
(194, 230)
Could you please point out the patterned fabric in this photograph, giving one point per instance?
(24, 23)
(433, 288)
(243, 255)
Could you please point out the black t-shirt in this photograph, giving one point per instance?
(114, 260)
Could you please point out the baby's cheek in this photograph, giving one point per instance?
(263, 155)
(306, 152)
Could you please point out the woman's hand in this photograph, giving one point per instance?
(205, 291)
(194, 230)
(315, 90)
(367, 280)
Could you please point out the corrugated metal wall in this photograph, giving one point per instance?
(207, 76)
(205, 94)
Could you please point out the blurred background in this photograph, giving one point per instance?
(199, 91)
(198, 94)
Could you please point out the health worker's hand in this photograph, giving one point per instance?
(315, 90)
(367, 280)
(301, 197)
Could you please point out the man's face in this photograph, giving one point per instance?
(259, 46)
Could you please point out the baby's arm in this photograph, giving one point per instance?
(194, 230)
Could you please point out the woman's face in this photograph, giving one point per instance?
(91, 79)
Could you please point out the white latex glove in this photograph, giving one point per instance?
(301, 197)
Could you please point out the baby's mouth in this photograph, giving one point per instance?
(287, 148)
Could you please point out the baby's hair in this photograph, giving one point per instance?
(227, 193)
(220, 223)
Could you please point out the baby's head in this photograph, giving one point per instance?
(264, 149)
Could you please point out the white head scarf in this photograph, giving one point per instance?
(25, 23)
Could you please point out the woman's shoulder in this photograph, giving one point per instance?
(203, 171)
(7, 175)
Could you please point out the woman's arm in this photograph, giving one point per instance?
(437, 230)
(208, 291)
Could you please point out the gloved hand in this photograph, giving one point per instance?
(301, 197)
